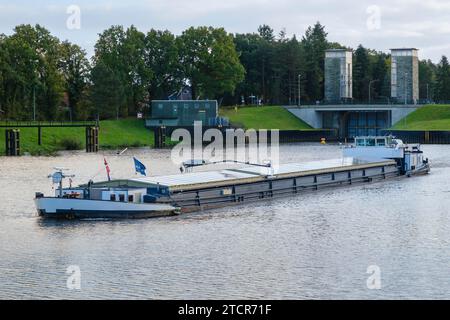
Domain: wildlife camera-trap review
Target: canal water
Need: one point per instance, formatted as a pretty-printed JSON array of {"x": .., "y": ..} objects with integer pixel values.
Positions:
[{"x": 311, "y": 246}]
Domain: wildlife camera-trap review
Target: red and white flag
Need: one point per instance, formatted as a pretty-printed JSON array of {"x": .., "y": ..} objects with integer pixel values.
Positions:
[{"x": 108, "y": 171}]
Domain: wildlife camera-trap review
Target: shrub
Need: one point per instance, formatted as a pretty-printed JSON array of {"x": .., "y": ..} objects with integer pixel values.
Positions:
[{"x": 70, "y": 144}]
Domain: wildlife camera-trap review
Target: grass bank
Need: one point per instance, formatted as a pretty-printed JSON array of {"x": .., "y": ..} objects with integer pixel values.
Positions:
[
  {"x": 114, "y": 134},
  {"x": 432, "y": 117},
  {"x": 270, "y": 117}
]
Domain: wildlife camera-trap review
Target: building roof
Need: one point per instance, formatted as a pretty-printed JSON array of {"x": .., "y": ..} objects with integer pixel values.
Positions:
[
  {"x": 338, "y": 50},
  {"x": 404, "y": 49}
]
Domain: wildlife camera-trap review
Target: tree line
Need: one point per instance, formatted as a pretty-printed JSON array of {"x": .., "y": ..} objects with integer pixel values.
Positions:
[{"x": 44, "y": 78}]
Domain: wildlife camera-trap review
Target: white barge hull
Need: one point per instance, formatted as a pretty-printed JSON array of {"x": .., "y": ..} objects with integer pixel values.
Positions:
[{"x": 65, "y": 208}]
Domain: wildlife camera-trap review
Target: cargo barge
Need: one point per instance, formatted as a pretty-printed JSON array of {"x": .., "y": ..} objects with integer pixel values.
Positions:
[{"x": 369, "y": 159}]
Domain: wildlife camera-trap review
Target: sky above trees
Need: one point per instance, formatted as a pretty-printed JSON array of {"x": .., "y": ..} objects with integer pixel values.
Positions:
[{"x": 379, "y": 24}]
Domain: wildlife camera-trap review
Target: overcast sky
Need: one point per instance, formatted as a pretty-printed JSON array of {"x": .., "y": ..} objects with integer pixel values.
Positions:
[{"x": 381, "y": 25}]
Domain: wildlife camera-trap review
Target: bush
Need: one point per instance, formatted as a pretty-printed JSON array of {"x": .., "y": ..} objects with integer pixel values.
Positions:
[{"x": 70, "y": 144}]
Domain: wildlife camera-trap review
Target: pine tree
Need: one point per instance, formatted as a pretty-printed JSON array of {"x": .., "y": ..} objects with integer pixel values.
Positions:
[
  {"x": 315, "y": 43},
  {"x": 361, "y": 74},
  {"x": 443, "y": 80}
]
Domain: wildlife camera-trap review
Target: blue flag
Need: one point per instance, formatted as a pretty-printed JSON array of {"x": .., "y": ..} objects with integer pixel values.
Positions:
[{"x": 139, "y": 166}]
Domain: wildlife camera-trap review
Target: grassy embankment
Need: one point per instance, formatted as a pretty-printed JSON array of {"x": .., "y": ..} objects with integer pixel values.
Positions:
[
  {"x": 270, "y": 117},
  {"x": 114, "y": 134},
  {"x": 428, "y": 118}
]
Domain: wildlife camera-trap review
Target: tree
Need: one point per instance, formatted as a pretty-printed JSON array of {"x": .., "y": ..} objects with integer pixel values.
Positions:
[
  {"x": 314, "y": 43},
  {"x": 427, "y": 79},
  {"x": 266, "y": 33},
  {"x": 75, "y": 68},
  {"x": 247, "y": 46},
  {"x": 290, "y": 64},
  {"x": 379, "y": 75},
  {"x": 123, "y": 53},
  {"x": 210, "y": 62},
  {"x": 137, "y": 74},
  {"x": 161, "y": 56},
  {"x": 2, "y": 72},
  {"x": 361, "y": 74},
  {"x": 30, "y": 74},
  {"x": 443, "y": 80},
  {"x": 107, "y": 92}
]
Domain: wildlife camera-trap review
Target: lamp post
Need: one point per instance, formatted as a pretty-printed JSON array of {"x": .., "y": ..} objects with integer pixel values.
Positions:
[
  {"x": 34, "y": 102},
  {"x": 406, "y": 98},
  {"x": 36, "y": 77},
  {"x": 299, "y": 92},
  {"x": 370, "y": 84}
]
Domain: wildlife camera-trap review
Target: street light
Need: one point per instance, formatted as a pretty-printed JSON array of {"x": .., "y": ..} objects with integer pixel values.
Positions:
[
  {"x": 370, "y": 83},
  {"x": 299, "y": 92},
  {"x": 34, "y": 101}
]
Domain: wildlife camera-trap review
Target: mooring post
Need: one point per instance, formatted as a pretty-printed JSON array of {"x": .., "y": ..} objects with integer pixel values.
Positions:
[
  {"x": 12, "y": 142},
  {"x": 156, "y": 137},
  {"x": 160, "y": 137},
  {"x": 7, "y": 144},
  {"x": 39, "y": 135},
  {"x": 91, "y": 139}
]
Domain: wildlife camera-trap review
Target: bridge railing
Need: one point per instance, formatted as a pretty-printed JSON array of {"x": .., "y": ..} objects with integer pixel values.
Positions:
[{"x": 36, "y": 124}]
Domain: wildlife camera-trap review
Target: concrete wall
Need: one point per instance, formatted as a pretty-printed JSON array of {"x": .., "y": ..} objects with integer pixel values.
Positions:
[
  {"x": 313, "y": 115},
  {"x": 308, "y": 115},
  {"x": 405, "y": 73},
  {"x": 398, "y": 114},
  {"x": 338, "y": 75}
]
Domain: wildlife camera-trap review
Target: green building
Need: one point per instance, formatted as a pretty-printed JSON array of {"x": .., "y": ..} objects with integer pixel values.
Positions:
[{"x": 182, "y": 113}]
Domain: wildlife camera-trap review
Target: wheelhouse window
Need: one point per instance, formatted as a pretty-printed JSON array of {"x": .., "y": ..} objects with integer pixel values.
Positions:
[
  {"x": 370, "y": 142},
  {"x": 381, "y": 142},
  {"x": 360, "y": 142},
  {"x": 130, "y": 198},
  {"x": 122, "y": 197}
]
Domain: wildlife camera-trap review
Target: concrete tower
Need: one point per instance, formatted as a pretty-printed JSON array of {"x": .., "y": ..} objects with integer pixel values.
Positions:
[
  {"x": 405, "y": 75},
  {"x": 338, "y": 75}
]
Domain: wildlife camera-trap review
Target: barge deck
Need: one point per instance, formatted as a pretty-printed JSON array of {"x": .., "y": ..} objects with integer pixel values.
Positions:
[{"x": 212, "y": 189}]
